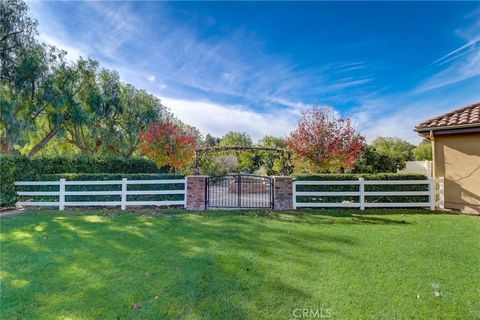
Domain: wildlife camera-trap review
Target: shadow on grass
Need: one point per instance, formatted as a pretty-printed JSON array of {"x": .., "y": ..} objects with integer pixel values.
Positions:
[{"x": 140, "y": 267}]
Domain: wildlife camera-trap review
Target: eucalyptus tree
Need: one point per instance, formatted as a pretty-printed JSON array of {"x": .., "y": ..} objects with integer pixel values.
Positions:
[
  {"x": 17, "y": 37},
  {"x": 17, "y": 34},
  {"x": 138, "y": 110},
  {"x": 93, "y": 107},
  {"x": 71, "y": 83},
  {"x": 27, "y": 95}
]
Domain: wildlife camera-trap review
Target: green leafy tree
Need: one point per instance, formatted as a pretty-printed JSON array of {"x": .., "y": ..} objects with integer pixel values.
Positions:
[
  {"x": 394, "y": 147},
  {"x": 31, "y": 99},
  {"x": 372, "y": 161},
  {"x": 71, "y": 82},
  {"x": 423, "y": 151},
  {"x": 210, "y": 141},
  {"x": 96, "y": 108},
  {"x": 274, "y": 163},
  {"x": 240, "y": 139},
  {"x": 17, "y": 35},
  {"x": 236, "y": 139},
  {"x": 139, "y": 110}
]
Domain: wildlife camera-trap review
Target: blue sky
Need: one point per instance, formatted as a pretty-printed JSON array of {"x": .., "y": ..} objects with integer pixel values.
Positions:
[{"x": 253, "y": 66}]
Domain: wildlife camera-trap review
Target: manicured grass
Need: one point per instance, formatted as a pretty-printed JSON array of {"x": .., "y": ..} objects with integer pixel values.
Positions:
[{"x": 240, "y": 265}]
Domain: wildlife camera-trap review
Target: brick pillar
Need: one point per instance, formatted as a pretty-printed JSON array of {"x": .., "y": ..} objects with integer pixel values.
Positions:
[
  {"x": 196, "y": 192},
  {"x": 282, "y": 193}
]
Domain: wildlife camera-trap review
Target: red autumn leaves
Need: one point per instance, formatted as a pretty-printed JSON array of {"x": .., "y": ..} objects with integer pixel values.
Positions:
[
  {"x": 167, "y": 144},
  {"x": 323, "y": 141}
]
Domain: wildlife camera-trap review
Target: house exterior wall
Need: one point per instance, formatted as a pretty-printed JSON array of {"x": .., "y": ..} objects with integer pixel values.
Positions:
[{"x": 457, "y": 158}]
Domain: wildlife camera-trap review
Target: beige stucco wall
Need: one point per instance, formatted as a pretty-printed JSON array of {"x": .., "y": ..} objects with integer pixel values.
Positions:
[{"x": 457, "y": 158}]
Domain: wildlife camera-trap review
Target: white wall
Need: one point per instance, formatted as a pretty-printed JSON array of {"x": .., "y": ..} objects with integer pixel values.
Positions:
[{"x": 421, "y": 167}]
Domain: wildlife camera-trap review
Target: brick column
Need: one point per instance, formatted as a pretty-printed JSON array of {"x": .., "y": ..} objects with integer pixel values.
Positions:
[
  {"x": 196, "y": 192},
  {"x": 282, "y": 193}
]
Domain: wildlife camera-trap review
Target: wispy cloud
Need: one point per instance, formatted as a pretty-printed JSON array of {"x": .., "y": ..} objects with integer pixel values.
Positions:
[
  {"x": 458, "y": 51},
  {"x": 465, "y": 68},
  {"x": 460, "y": 64},
  {"x": 218, "y": 119},
  {"x": 237, "y": 67}
]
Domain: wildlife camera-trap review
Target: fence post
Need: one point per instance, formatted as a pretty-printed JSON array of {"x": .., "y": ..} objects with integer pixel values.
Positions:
[
  {"x": 362, "y": 193},
  {"x": 294, "y": 194},
  {"x": 124, "y": 194},
  {"x": 431, "y": 191},
  {"x": 61, "y": 195},
  {"x": 186, "y": 191}
]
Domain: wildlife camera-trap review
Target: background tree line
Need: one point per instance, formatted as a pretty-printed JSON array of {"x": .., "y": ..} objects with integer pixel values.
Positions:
[{"x": 321, "y": 143}]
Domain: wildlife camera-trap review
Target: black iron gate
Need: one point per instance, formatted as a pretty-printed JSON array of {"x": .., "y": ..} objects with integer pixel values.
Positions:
[{"x": 239, "y": 191}]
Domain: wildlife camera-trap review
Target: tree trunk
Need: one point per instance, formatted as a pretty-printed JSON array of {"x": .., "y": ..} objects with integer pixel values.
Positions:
[
  {"x": 43, "y": 143},
  {"x": 5, "y": 147}
]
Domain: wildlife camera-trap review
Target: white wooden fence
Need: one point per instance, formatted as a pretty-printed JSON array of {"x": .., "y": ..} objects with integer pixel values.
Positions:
[
  {"x": 123, "y": 193},
  {"x": 435, "y": 194}
]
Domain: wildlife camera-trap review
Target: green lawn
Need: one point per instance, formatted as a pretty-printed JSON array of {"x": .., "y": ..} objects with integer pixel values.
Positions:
[{"x": 240, "y": 265}]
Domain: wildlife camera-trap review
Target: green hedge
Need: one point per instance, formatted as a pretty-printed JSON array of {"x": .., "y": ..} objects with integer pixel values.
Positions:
[
  {"x": 351, "y": 176},
  {"x": 23, "y": 168},
  {"x": 106, "y": 177},
  {"x": 52, "y": 165},
  {"x": 379, "y": 176}
]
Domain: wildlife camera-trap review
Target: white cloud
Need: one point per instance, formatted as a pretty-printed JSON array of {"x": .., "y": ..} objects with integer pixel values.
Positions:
[
  {"x": 402, "y": 116},
  {"x": 459, "y": 49},
  {"x": 72, "y": 53},
  {"x": 466, "y": 67},
  {"x": 460, "y": 64},
  {"x": 218, "y": 119},
  {"x": 151, "y": 78}
]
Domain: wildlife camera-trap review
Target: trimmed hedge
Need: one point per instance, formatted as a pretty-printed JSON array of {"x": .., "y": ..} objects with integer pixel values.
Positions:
[
  {"x": 352, "y": 176},
  {"x": 82, "y": 164},
  {"x": 379, "y": 176},
  {"x": 23, "y": 168},
  {"x": 106, "y": 177},
  {"x": 13, "y": 169}
]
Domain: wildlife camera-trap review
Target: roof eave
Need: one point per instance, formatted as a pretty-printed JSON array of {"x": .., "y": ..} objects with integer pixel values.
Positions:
[{"x": 462, "y": 126}]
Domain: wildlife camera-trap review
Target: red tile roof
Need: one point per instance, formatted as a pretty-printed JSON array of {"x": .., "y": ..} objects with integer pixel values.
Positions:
[{"x": 468, "y": 116}]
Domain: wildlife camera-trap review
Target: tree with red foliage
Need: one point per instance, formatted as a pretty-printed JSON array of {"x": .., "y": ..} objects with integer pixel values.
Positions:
[
  {"x": 167, "y": 144},
  {"x": 323, "y": 142}
]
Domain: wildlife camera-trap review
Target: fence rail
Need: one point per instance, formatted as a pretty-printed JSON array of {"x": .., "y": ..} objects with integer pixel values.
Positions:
[
  {"x": 123, "y": 193},
  {"x": 434, "y": 194}
]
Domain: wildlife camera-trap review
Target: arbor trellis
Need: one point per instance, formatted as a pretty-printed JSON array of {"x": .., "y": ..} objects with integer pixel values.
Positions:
[{"x": 283, "y": 153}]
